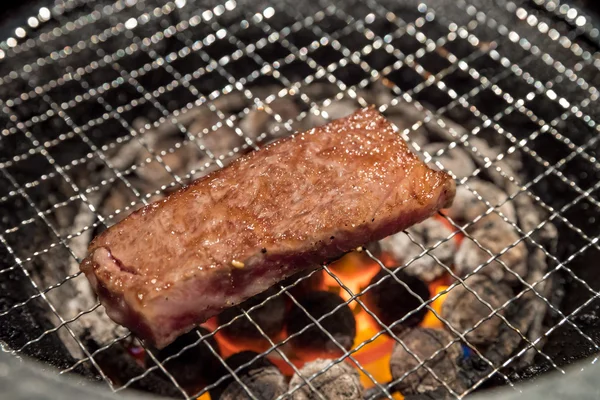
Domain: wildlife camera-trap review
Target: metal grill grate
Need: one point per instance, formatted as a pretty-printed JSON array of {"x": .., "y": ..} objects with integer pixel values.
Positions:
[{"x": 82, "y": 68}]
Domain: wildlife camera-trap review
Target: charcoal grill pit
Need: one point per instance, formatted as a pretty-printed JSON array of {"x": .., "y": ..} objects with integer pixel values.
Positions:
[{"x": 109, "y": 105}]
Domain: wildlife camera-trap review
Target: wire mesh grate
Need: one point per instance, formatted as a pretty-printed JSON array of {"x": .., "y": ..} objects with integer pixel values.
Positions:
[{"x": 91, "y": 91}]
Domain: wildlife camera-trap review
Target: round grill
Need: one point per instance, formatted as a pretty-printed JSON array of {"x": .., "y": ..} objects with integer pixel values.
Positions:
[{"x": 107, "y": 106}]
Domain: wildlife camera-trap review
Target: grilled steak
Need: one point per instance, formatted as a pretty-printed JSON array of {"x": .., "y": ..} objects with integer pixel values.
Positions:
[{"x": 302, "y": 200}]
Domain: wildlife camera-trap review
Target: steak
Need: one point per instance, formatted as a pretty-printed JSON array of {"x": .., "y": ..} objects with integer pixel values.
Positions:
[{"x": 297, "y": 202}]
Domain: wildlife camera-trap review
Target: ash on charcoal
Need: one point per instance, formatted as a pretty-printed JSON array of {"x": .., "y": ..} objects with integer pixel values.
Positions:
[
  {"x": 493, "y": 234},
  {"x": 269, "y": 317},
  {"x": 391, "y": 300},
  {"x": 261, "y": 378},
  {"x": 177, "y": 161},
  {"x": 196, "y": 366},
  {"x": 462, "y": 310},
  {"x": 423, "y": 343},
  {"x": 341, "y": 381},
  {"x": 258, "y": 122},
  {"x": 340, "y": 325},
  {"x": 467, "y": 206},
  {"x": 454, "y": 160},
  {"x": 428, "y": 233}
]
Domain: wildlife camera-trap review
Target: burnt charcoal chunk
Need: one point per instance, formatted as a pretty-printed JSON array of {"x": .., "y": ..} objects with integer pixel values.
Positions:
[
  {"x": 194, "y": 367},
  {"x": 424, "y": 343},
  {"x": 493, "y": 235},
  {"x": 301, "y": 285},
  {"x": 340, "y": 381},
  {"x": 269, "y": 317},
  {"x": 124, "y": 367},
  {"x": 426, "y": 234},
  {"x": 341, "y": 324},
  {"x": 463, "y": 310},
  {"x": 260, "y": 377},
  {"x": 391, "y": 301}
]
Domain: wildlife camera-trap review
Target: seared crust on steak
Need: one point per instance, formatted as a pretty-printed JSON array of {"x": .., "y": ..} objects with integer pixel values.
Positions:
[{"x": 302, "y": 200}]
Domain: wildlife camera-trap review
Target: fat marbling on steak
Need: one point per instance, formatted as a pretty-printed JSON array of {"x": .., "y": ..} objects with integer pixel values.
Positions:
[{"x": 299, "y": 201}]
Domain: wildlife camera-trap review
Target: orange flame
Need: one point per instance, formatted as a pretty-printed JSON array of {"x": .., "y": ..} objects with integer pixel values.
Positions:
[{"x": 355, "y": 270}]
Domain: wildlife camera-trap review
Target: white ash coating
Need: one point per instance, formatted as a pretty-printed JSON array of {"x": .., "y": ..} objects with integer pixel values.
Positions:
[
  {"x": 426, "y": 233},
  {"x": 263, "y": 382},
  {"x": 219, "y": 141},
  {"x": 495, "y": 235},
  {"x": 259, "y": 124},
  {"x": 454, "y": 160},
  {"x": 467, "y": 206},
  {"x": 463, "y": 310},
  {"x": 423, "y": 343},
  {"x": 177, "y": 161},
  {"x": 340, "y": 382}
]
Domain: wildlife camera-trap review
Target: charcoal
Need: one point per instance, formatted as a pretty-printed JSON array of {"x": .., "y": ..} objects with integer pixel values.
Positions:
[
  {"x": 427, "y": 235},
  {"x": 269, "y": 317},
  {"x": 391, "y": 301},
  {"x": 117, "y": 362},
  {"x": 341, "y": 381},
  {"x": 454, "y": 160},
  {"x": 196, "y": 366},
  {"x": 462, "y": 310},
  {"x": 261, "y": 378},
  {"x": 374, "y": 248},
  {"x": 310, "y": 284},
  {"x": 467, "y": 206},
  {"x": 494, "y": 235},
  {"x": 423, "y": 343},
  {"x": 340, "y": 325}
]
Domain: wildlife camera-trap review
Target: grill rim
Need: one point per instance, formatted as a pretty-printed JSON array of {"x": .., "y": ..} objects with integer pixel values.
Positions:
[
  {"x": 25, "y": 378},
  {"x": 92, "y": 359}
]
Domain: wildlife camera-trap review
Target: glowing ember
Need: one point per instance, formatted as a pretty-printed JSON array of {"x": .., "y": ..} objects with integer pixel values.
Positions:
[
  {"x": 374, "y": 357},
  {"x": 430, "y": 320},
  {"x": 229, "y": 346},
  {"x": 459, "y": 236},
  {"x": 138, "y": 353},
  {"x": 355, "y": 270}
]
